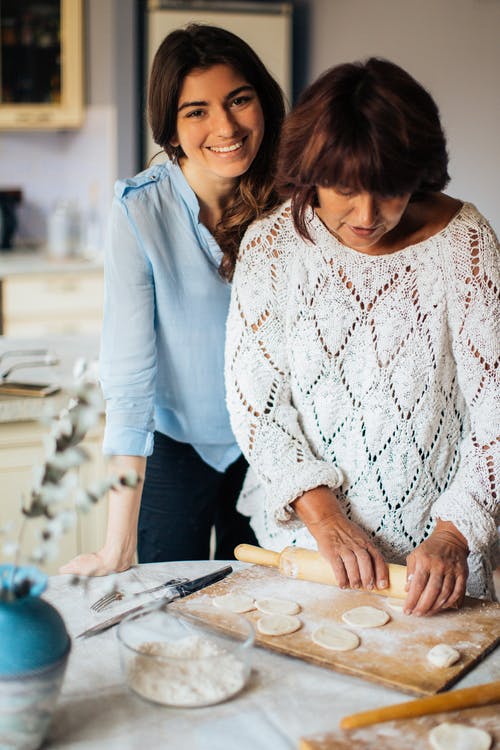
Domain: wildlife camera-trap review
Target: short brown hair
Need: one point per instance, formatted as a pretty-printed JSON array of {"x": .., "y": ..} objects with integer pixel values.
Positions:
[
  {"x": 366, "y": 126},
  {"x": 203, "y": 46}
]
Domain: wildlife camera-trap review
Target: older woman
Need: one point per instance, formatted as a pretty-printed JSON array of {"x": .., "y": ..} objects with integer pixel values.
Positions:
[{"x": 363, "y": 346}]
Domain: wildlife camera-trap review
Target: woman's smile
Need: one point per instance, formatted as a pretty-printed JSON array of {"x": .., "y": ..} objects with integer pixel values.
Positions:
[{"x": 227, "y": 149}]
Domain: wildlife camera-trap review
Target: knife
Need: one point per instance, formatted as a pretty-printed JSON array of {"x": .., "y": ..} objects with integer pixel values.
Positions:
[{"x": 176, "y": 591}]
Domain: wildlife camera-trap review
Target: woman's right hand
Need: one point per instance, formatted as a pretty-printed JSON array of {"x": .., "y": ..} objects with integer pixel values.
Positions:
[{"x": 355, "y": 561}]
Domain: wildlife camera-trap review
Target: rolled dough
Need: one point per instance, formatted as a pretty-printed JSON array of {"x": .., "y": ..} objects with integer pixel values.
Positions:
[
  {"x": 335, "y": 638},
  {"x": 234, "y": 602},
  {"x": 443, "y": 655},
  {"x": 275, "y": 606},
  {"x": 450, "y": 736},
  {"x": 397, "y": 605},
  {"x": 278, "y": 624},
  {"x": 366, "y": 617}
]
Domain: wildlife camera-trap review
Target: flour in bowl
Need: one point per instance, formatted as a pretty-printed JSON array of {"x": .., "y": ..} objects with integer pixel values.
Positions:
[{"x": 192, "y": 671}]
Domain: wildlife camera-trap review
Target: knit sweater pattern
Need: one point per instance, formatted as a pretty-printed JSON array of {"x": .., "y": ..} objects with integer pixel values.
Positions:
[{"x": 374, "y": 375}]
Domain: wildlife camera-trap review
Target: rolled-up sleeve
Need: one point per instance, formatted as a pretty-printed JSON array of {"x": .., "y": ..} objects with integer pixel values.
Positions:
[{"x": 128, "y": 343}]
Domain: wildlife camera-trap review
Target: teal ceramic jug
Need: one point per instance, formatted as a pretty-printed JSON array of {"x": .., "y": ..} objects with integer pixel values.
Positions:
[{"x": 34, "y": 649}]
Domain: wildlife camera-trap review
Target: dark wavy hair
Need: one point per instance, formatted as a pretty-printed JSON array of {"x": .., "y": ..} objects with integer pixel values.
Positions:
[
  {"x": 367, "y": 126},
  {"x": 201, "y": 46}
]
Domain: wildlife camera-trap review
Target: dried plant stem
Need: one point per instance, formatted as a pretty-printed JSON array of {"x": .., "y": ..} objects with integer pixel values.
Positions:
[{"x": 17, "y": 557}]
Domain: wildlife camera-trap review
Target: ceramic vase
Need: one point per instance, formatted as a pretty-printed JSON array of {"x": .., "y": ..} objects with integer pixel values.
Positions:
[{"x": 34, "y": 650}]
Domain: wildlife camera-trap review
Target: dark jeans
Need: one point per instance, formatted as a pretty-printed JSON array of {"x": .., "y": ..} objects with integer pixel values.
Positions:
[{"x": 182, "y": 499}]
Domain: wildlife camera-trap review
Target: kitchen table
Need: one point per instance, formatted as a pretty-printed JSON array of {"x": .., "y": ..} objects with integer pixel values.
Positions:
[{"x": 285, "y": 699}]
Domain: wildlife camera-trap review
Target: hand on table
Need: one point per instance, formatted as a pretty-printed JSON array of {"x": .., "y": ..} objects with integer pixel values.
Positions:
[
  {"x": 355, "y": 561},
  {"x": 97, "y": 564},
  {"x": 437, "y": 572}
]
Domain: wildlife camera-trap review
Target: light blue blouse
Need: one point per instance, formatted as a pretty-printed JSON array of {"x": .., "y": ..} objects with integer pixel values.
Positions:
[{"x": 165, "y": 309}]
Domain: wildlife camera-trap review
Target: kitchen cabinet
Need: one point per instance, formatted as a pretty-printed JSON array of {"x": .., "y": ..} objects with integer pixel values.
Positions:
[
  {"x": 52, "y": 302},
  {"x": 21, "y": 450},
  {"x": 41, "y": 64}
]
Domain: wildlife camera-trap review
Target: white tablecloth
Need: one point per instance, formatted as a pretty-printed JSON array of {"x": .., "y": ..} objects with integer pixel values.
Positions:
[{"x": 285, "y": 699}]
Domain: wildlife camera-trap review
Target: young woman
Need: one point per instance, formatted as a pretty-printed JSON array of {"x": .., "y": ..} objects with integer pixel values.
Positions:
[
  {"x": 363, "y": 347},
  {"x": 174, "y": 234}
]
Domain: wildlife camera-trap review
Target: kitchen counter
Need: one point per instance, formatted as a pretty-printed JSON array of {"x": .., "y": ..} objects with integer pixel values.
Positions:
[
  {"x": 67, "y": 349},
  {"x": 34, "y": 261},
  {"x": 286, "y": 698}
]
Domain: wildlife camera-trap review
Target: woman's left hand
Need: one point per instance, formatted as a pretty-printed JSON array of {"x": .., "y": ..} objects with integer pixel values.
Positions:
[{"x": 437, "y": 572}]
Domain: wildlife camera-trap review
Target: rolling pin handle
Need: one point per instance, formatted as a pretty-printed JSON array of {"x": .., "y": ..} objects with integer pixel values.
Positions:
[
  {"x": 479, "y": 695},
  {"x": 257, "y": 555}
]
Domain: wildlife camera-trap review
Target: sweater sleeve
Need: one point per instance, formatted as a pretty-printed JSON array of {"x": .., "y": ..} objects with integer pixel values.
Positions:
[
  {"x": 471, "y": 501},
  {"x": 264, "y": 419}
]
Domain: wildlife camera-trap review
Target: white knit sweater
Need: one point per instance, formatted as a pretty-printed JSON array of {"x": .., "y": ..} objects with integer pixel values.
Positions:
[{"x": 374, "y": 375}]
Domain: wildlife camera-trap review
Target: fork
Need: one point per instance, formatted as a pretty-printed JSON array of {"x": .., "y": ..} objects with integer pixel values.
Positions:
[{"x": 116, "y": 595}]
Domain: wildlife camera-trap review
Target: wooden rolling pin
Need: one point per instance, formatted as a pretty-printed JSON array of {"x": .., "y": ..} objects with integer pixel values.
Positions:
[
  {"x": 308, "y": 565},
  {"x": 480, "y": 695}
]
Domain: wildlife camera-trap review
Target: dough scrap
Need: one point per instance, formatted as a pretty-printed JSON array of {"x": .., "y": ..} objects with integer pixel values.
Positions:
[
  {"x": 335, "y": 637},
  {"x": 278, "y": 624},
  {"x": 448, "y": 736},
  {"x": 366, "y": 617},
  {"x": 273, "y": 606},
  {"x": 397, "y": 605},
  {"x": 234, "y": 602},
  {"x": 443, "y": 655}
]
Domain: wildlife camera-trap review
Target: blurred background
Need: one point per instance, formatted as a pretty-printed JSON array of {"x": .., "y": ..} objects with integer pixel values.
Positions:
[{"x": 451, "y": 46}]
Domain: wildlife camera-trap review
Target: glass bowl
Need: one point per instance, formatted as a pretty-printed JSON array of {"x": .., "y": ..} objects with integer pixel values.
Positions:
[{"x": 177, "y": 659}]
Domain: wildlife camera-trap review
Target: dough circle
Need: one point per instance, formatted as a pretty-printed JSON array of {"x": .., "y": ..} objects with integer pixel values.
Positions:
[
  {"x": 335, "y": 637},
  {"x": 234, "y": 602},
  {"x": 443, "y": 655},
  {"x": 273, "y": 606},
  {"x": 448, "y": 736},
  {"x": 278, "y": 624},
  {"x": 397, "y": 605},
  {"x": 366, "y": 617}
]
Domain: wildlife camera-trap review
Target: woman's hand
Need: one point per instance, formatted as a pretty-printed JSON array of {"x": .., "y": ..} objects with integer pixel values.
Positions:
[
  {"x": 355, "y": 561},
  {"x": 118, "y": 552},
  {"x": 437, "y": 572},
  {"x": 99, "y": 563}
]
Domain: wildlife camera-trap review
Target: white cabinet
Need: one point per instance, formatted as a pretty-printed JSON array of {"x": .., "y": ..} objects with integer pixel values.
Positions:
[
  {"x": 62, "y": 302},
  {"x": 21, "y": 449}
]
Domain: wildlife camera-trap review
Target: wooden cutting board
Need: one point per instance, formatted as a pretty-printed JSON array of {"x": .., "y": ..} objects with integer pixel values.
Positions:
[
  {"x": 393, "y": 655},
  {"x": 405, "y": 734}
]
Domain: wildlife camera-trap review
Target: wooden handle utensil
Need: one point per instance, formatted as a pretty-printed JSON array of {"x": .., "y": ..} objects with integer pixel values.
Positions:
[
  {"x": 480, "y": 695},
  {"x": 308, "y": 565}
]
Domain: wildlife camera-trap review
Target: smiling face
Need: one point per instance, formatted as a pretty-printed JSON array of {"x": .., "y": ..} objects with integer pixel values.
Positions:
[
  {"x": 220, "y": 124},
  {"x": 363, "y": 221}
]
